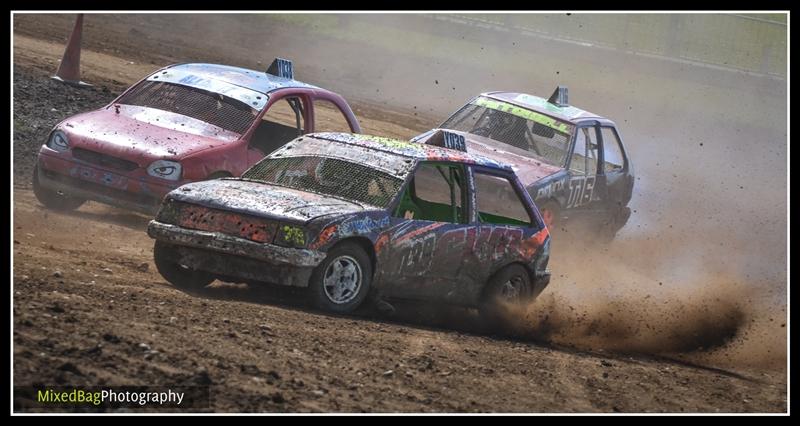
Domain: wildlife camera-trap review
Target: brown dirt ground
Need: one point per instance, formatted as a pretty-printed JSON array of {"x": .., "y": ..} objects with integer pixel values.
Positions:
[{"x": 86, "y": 297}]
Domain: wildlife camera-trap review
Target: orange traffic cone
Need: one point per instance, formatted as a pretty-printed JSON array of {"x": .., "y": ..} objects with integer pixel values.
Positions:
[{"x": 69, "y": 71}]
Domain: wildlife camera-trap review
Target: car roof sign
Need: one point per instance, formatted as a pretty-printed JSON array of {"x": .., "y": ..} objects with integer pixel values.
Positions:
[
  {"x": 282, "y": 68},
  {"x": 560, "y": 97},
  {"x": 448, "y": 139},
  {"x": 454, "y": 141}
]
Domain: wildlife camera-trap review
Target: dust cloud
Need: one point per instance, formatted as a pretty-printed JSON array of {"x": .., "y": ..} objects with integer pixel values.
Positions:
[
  {"x": 701, "y": 267},
  {"x": 648, "y": 293}
]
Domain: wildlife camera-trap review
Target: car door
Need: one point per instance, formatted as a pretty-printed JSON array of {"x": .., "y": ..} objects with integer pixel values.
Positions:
[
  {"x": 425, "y": 251},
  {"x": 616, "y": 167},
  {"x": 586, "y": 185},
  {"x": 505, "y": 221},
  {"x": 331, "y": 114},
  {"x": 285, "y": 119}
]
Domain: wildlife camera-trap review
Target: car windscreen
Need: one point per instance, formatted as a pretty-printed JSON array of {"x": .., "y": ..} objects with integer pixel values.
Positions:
[
  {"x": 540, "y": 136},
  {"x": 213, "y": 108},
  {"x": 328, "y": 176}
]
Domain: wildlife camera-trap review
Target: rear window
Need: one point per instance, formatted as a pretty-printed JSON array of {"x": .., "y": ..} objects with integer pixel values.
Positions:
[
  {"x": 328, "y": 176},
  {"x": 212, "y": 108}
]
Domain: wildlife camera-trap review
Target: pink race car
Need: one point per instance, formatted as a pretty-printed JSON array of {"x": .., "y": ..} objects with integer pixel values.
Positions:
[{"x": 183, "y": 123}]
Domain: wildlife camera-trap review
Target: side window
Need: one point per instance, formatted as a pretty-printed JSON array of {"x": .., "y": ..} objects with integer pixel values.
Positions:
[
  {"x": 548, "y": 143},
  {"x": 329, "y": 118},
  {"x": 584, "y": 158},
  {"x": 612, "y": 150},
  {"x": 282, "y": 122},
  {"x": 498, "y": 202},
  {"x": 435, "y": 193}
]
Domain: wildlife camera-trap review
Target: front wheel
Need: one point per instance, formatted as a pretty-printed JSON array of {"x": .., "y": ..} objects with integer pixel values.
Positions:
[
  {"x": 53, "y": 199},
  {"x": 167, "y": 262},
  {"x": 618, "y": 220},
  {"x": 342, "y": 281},
  {"x": 505, "y": 297}
]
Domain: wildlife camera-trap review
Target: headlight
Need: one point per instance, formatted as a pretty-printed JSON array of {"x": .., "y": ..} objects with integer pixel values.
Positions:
[
  {"x": 58, "y": 141},
  {"x": 168, "y": 212},
  {"x": 165, "y": 169},
  {"x": 290, "y": 236}
]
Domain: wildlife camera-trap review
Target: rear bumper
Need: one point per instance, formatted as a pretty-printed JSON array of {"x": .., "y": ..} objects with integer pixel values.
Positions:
[
  {"x": 101, "y": 185},
  {"x": 234, "y": 257}
]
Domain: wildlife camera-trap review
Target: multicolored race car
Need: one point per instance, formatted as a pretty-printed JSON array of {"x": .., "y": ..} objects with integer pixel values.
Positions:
[
  {"x": 345, "y": 215},
  {"x": 181, "y": 124},
  {"x": 572, "y": 162}
]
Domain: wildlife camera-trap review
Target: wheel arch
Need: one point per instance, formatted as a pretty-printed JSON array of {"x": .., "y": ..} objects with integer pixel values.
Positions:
[
  {"x": 549, "y": 200},
  {"x": 366, "y": 244},
  {"x": 552, "y": 200}
]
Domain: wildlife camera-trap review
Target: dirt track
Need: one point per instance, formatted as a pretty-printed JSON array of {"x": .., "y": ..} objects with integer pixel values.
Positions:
[{"x": 89, "y": 309}]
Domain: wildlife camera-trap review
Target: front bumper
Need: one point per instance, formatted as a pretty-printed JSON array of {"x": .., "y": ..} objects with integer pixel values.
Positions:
[
  {"x": 234, "y": 257},
  {"x": 98, "y": 184}
]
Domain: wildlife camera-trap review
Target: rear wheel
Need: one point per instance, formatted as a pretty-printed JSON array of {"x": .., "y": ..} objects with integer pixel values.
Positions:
[
  {"x": 615, "y": 223},
  {"x": 342, "y": 281},
  {"x": 54, "y": 199},
  {"x": 506, "y": 294},
  {"x": 167, "y": 262}
]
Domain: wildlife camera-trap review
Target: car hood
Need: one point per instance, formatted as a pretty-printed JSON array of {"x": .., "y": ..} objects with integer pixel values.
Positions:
[
  {"x": 262, "y": 200},
  {"x": 528, "y": 170},
  {"x": 142, "y": 134}
]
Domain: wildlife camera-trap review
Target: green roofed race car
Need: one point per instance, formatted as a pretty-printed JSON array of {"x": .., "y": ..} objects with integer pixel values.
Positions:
[{"x": 572, "y": 162}]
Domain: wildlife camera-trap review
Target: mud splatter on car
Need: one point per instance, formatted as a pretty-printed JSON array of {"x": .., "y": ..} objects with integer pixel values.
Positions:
[
  {"x": 180, "y": 124},
  {"x": 350, "y": 215}
]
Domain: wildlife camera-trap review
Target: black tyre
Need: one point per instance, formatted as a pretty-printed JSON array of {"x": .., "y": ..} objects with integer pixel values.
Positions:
[
  {"x": 342, "y": 281},
  {"x": 166, "y": 260},
  {"x": 606, "y": 234},
  {"x": 506, "y": 294},
  {"x": 617, "y": 221},
  {"x": 54, "y": 199}
]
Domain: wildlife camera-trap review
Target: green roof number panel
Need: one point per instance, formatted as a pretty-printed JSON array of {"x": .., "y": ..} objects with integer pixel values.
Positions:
[{"x": 524, "y": 113}]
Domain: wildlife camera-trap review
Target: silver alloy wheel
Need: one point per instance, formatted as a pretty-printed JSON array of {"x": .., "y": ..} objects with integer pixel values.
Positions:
[
  {"x": 342, "y": 280},
  {"x": 512, "y": 289}
]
